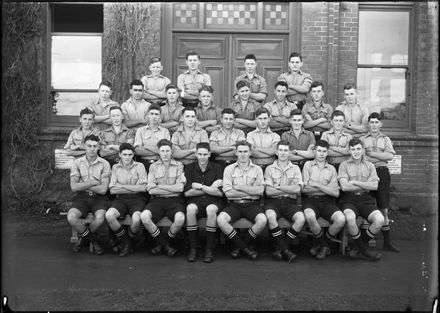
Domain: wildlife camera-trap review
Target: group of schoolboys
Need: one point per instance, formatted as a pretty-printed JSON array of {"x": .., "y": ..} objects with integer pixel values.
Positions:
[{"x": 152, "y": 157}]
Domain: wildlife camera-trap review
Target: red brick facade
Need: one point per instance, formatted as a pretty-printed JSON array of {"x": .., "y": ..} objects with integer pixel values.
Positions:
[{"x": 329, "y": 40}]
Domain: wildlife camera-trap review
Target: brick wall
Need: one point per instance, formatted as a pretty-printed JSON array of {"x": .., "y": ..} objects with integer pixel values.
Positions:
[
  {"x": 329, "y": 44},
  {"x": 426, "y": 40}
]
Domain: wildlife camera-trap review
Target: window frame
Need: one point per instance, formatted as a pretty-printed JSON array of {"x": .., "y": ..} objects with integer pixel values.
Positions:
[
  {"x": 393, "y": 125},
  {"x": 52, "y": 118}
]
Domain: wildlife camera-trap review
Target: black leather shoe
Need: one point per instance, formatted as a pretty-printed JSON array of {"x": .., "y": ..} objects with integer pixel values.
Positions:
[
  {"x": 277, "y": 255},
  {"x": 97, "y": 248},
  {"x": 353, "y": 253},
  {"x": 78, "y": 245},
  {"x": 125, "y": 250},
  {"x": 314, "y": 250},
  {"x": 113, "y": 243},
  {"x": 371, "y": 255},
  {"x": 170, "y": 250},
  {"x": 157, "y": 250},
  {"x": 209, "y": 256},
  {"x": 290, "y": 256},
  {"x": 235, "y": 254},
  {"x": 323, "y": 252},
  {"x": 390, "y": 247},
  {"x": 192, "y": 256},
  {"x": 251, "y": 254}
]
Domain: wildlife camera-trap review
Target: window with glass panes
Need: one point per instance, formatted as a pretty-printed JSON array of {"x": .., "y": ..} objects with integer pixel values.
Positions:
[
  {"x": 384, "y": 63},
  {"x": 76, "y": 56}
]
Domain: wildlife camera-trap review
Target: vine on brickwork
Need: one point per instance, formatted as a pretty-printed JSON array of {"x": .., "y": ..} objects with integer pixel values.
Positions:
[
  {"x": 27, "y": 165},
  {"x": 126, "y": 30}
]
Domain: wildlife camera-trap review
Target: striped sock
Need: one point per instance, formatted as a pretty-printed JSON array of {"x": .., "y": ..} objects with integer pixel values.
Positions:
[
  {"x": 277, "y": 234},
  {"x": 236, "y": 240}
]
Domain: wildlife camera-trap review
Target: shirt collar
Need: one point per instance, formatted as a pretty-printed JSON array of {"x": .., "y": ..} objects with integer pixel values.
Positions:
[
  {"x": 276, "y": 165},
  {"x": 368, "y": 134},
  {"x": 332, "y": 131},
  {"x": 197, "y": 72},
  {"x": 119, "y": 164},
  {"x": 299, "y": 72},
  {"x": 314, "y": 162},
  {"x": 180, "y": 128}
]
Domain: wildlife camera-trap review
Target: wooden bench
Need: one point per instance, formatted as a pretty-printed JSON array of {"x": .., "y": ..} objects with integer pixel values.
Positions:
[{"x": 242, "y": 223}]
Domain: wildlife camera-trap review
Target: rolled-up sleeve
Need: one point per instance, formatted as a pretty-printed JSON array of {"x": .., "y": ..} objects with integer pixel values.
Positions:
[{"x": 227, "y": 178}]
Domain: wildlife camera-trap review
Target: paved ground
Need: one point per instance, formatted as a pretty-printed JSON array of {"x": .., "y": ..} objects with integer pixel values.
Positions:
[{"x": 34, "y": 265}]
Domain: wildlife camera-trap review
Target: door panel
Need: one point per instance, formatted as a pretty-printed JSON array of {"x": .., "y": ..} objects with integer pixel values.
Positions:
[
  {"x": 271, "y": 51},
  {"x": 222, "y": 57}
]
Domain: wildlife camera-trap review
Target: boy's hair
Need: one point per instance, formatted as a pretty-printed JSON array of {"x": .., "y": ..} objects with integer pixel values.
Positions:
[
  {"x": 86, "y": 111},
  {"x": 154, "y": 60},
  {"x": 322, "y": 143},
  {"x": 185, "y": 109},
  {"x": 250, "y": 57},
  {"x": 355, "y": 141},
  {"x": 262, "y": 111},
  {"x": 281, "y": 83},
  {"x": 105, "y": 83},
  {"x": 228, "y": 111},
  {"x": 243, "y": 143},
  {"x": 136, "y": 82},
  {"x": 242, "y": 83},
  {"x": 92, "y": 138},
  {"x": 297, "y": 55},
  {"x": 283, "y": 143},
  {"x": 206, "y": 88},
  {"x": 375, "y": 115},
  {"x": 203, "y": 145},
  {"x": 126, "y": 146},
  {"x": 317, "y": 83},
  {"x": 171, "y": 86},
  {"x": 295, "y": 112},
  {"x": 192, "y": 53},
  {"x": 349, "y": 86},
  {"x": 337, "y": 113},
  {"x": 164, "y": 142},
  {"x": 154, "y": 107},
  {"x": 114, "y": 107}
]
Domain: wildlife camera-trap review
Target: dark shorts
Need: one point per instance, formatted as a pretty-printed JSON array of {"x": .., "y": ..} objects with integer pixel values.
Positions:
[
  {"x": 382, "y": 194},
  {"x": 323, "y": 206},
  {"x": 283, "y": 207},
  {"x": 203, "y": 201},
  {"x": 361, "y": 205},
  {"x": 85, "y": 203},
  {"x": 160, "y": 207},
  {"x": 247, "y": 210},
  {"x": 128, "y": 204}
]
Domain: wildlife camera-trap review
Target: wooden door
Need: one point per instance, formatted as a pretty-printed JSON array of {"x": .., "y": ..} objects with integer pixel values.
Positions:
[
  {"x": 214, "y": 52},
  {"x": 222, "y": 57}
]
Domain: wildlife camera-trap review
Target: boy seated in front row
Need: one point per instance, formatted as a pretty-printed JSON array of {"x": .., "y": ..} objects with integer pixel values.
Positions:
[
  {"x": 166, "y": 180},
  {"x": 89, "y": 178},
  {"x": 129, "y": 183},
  {"x": 75, "y": 145},
  {"x": 357, "y": 177},
  {"x": 320, "y": 192}
]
